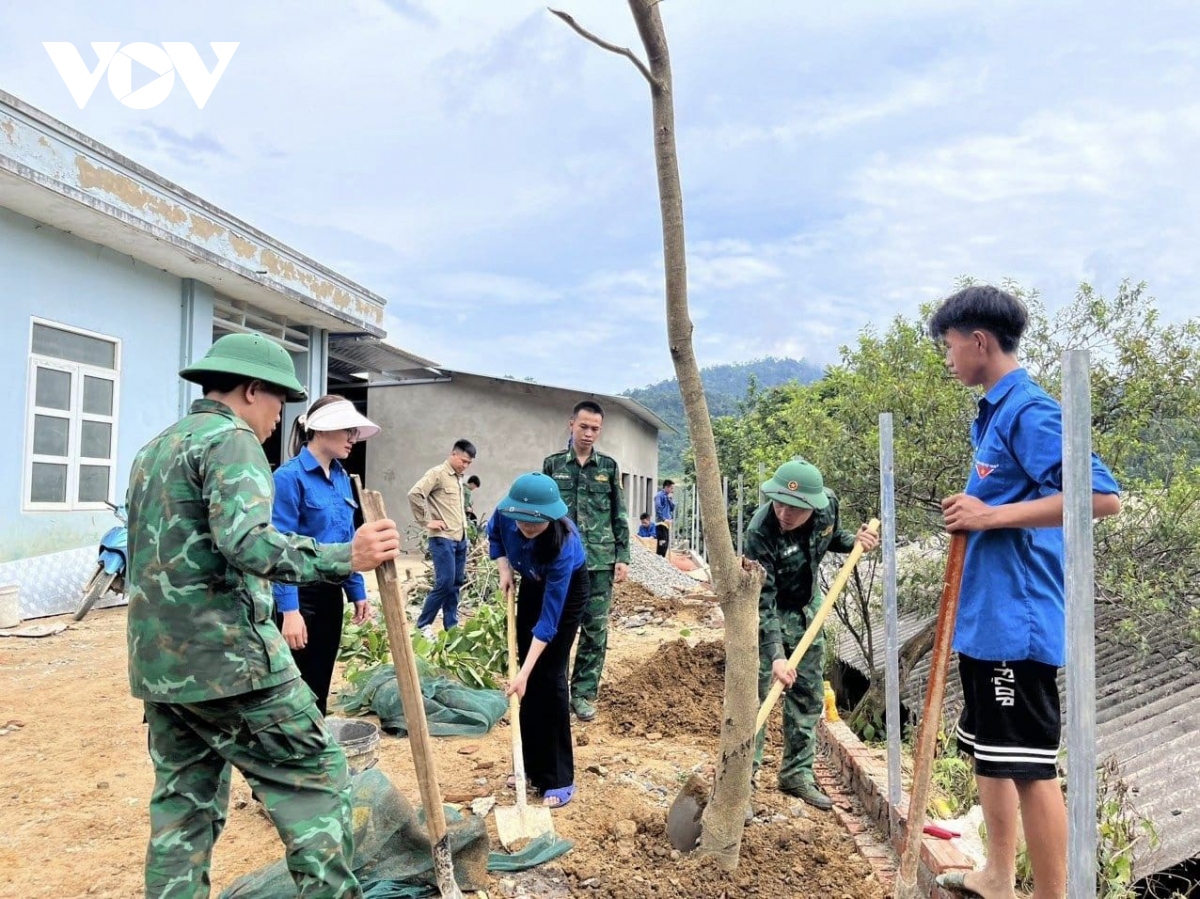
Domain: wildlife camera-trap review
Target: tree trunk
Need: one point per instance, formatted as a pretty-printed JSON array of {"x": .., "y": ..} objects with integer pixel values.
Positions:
[
  {"x": 735, "y": 581},
  {"x": 735, "y": 585}
]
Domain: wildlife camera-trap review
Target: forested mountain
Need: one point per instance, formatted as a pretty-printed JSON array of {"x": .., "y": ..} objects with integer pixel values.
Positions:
[{"x": 725, "y": 386}]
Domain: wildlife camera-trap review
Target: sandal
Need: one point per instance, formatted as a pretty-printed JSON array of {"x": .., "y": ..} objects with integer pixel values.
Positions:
[
  {"x": 955, "y": 881},
  {"x": 555, "y": 799}
]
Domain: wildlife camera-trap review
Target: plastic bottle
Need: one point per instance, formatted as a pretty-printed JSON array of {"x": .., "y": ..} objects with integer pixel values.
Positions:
[{"x": 831, "y": 712}]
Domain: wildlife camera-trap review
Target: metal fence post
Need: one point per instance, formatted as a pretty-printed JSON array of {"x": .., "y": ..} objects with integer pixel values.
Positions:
[
  {"x": 1081, "y": 625},
  {"x": 891, "y": 614}
]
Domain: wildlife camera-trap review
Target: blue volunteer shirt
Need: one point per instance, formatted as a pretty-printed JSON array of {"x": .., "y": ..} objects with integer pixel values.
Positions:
[
  {"x": 1011, "y": 606},
  {"x": 312, "y": 505},
  {"x": 664, "y": 506},
  {"x": 646, "y": 530},
  {"x": 505, "y": 539}
]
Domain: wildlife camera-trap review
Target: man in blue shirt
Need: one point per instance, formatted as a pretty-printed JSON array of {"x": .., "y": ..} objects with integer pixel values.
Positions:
[
  {"x": 645, "y": 527},
  {"x": 664, "y": 516},
  {"x": 1010, "y": 633}
]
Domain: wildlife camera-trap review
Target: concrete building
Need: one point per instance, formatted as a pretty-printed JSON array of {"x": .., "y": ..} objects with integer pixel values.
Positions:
[
  {"x": 514, "y": 424},
  {"x": 111, "y": 280}
]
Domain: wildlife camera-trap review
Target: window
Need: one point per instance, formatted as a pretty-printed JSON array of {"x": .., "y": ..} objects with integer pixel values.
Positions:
[{"x": 71, "y": 428}]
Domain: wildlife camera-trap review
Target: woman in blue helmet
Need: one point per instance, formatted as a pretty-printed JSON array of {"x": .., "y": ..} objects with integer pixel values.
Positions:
[{"x": 530, "y": 534}]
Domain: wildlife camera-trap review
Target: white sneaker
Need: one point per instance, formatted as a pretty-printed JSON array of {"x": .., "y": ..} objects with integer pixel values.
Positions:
[{"x": 427, "y": 632}]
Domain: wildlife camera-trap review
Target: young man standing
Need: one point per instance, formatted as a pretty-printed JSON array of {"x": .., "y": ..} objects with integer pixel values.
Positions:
[
  {"x": 473, "y": 484},
  {"x": 664, "y": 516},
  {"x": 789, "y": 535},
  {"x": 439, "y": 506},
  {"x": 217, "y": 680},
  {"x": 590, "y": 484},
  {"x": 1010, "y": 634}
]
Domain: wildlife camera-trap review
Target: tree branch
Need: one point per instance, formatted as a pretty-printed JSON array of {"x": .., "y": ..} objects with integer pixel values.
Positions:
[{"x": 612, "y": 48}]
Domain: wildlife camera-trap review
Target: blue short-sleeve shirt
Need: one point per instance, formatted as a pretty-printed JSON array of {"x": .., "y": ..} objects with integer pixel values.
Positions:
[
  {"x": 313, "y": 505},
  {"x": 1011, "y": 606}
]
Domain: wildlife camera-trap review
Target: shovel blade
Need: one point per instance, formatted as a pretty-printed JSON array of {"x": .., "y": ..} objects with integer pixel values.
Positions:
[
  {"x": 683, "y": 818},
  {"x": 518, "y": 825}
]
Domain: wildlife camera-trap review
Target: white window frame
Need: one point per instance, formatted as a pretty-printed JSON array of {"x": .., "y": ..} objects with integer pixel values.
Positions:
[{"x": 76, "y": 416}]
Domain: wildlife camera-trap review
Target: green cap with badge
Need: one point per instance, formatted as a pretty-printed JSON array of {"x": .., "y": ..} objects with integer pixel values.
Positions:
[
  {"x": 797, "y": 482},
  {"x": 252, "y": 356}
]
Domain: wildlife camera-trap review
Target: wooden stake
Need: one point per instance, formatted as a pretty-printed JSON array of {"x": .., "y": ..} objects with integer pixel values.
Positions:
[
  {"x": 392, "y": 597},
  {"x": 931, "y": 720}
]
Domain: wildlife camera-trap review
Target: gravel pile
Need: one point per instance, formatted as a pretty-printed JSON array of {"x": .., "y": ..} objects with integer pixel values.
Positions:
[{"x": 656, "y": 574}]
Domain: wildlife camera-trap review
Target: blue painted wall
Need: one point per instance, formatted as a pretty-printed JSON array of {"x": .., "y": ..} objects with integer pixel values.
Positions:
[{"x": 55, "y": 276}]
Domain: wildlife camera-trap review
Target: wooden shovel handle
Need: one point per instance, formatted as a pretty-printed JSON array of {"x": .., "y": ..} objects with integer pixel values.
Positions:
[
  {"x": 810, "y": 635},
  {"x": 514, "y": 702},
  {"x": 931, "y": 718},
  {"x": 392, "y": 596}
]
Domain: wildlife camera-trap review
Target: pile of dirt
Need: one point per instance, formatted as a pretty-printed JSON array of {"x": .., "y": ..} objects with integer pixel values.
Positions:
[
  {"x": 626, "y": 855},
  {"x": 675, "y": 692},
  {"x": 631, "y": 598}
]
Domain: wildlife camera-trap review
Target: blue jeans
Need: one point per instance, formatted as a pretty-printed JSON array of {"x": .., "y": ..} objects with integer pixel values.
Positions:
[{"x": 449, "y": 571}]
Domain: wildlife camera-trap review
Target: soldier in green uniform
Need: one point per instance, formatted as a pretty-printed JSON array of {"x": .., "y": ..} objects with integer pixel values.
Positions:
[
  {"x": 590, "y": 483},
  {"x": 788, "y": 536},
  {"x": 217, "y": 681}
]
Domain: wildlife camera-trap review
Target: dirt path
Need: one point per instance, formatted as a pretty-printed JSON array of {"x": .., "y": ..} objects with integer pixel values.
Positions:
[{"x": 75, "y": 777}]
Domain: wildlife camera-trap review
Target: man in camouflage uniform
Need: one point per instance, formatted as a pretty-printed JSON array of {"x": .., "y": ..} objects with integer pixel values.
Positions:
[
  {"x": 590, "y": 484},
  {"x": 788, "y": 536},
  {"x": 218, "y": 682}
]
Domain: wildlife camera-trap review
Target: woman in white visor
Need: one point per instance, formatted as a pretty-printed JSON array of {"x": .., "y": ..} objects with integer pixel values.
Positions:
[{"x": 314, "y": 498}]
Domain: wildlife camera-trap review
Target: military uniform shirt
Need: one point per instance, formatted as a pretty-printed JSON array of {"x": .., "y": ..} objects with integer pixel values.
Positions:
[
  {"x": 791, "y": 561},
  {"x": 595, "y": 502},
  {"x": 202, "y": 552}
]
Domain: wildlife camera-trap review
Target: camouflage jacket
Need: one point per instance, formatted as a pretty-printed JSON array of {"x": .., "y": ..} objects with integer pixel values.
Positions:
[
  {"x": 792, "y": 561},
  {"x": 595, "y": 502},
  {"x": 202, "y": 551}
]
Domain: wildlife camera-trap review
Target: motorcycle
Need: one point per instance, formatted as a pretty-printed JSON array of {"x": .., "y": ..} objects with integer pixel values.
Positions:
[{"x": 110, "y": 564}]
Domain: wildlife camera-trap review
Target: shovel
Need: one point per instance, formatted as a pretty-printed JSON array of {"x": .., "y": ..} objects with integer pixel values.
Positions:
[
  {"x": 907, "y": 886},
  {"x": 518, "y": 825},
  {"x": 391, "y": 597},
  {"x": 683, "y": 818}
]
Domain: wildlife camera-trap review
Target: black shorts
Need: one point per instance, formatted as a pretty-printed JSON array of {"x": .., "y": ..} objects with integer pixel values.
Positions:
[{"x": 1011, "y": 721}]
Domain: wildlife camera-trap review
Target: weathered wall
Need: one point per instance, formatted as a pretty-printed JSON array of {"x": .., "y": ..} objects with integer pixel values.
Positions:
[
  {"x": 514, "y": 426},
  {"x": 60, "y": 278}
]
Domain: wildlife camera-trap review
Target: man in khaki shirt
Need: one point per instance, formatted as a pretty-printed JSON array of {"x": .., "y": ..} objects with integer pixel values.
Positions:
[{"x": 437, "y": 505}]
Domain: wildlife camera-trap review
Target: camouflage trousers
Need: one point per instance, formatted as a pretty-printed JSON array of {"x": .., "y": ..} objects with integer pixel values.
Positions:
[
  {"x": 593, "y": 636},
  {"x": 802, "y": 704},
  {"x": 278, "y": 740}
]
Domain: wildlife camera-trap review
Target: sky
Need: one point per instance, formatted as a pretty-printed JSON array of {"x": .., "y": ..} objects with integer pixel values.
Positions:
[{"x": 491, "y": 174}]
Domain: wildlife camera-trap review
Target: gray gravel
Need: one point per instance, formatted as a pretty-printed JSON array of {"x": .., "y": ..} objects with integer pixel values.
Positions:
[{"x": 656, "y": 574}]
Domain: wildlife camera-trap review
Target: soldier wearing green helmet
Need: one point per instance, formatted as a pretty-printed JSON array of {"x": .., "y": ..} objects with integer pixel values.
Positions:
[
  {"x": 789, "y": 535},
  {"x": 217, "y": 681}
]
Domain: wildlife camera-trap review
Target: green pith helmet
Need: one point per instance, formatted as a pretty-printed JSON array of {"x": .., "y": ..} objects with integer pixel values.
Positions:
[
  {"x": 252, "y": 356},
  {"x": 533, "y": 497},
  {"x": 797, "y": 483}
]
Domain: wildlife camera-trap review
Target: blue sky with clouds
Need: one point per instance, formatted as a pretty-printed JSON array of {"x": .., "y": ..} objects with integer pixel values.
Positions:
[{"x": 490, "y": 173}]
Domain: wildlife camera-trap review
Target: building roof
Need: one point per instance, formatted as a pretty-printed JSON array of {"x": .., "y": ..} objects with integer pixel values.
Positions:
[
  {"x": 1147, "y": 715},
  {"x": 53, "y": 174},
  {"x": 629, "y": 405}
]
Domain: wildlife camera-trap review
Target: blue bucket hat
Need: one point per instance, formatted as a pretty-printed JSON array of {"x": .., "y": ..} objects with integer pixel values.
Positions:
[{"x": 534, "y": 498}]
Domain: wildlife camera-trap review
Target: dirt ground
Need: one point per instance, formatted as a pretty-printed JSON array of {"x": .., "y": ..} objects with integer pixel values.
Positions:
[{"x": 75, "y": 777}]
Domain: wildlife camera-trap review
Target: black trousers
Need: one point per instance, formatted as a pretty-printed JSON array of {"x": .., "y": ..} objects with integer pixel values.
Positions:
[
  {"x": 662, "y": 534},
  {"x": 545, "y": 710},
  {"x": 321, "y": 607}
]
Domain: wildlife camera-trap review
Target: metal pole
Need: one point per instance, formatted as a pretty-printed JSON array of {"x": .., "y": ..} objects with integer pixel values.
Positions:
[
  {"x": 891, "y": 614},
  {"x": 1081, "y": 626},
  {"x": 741, "y": 501}
]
